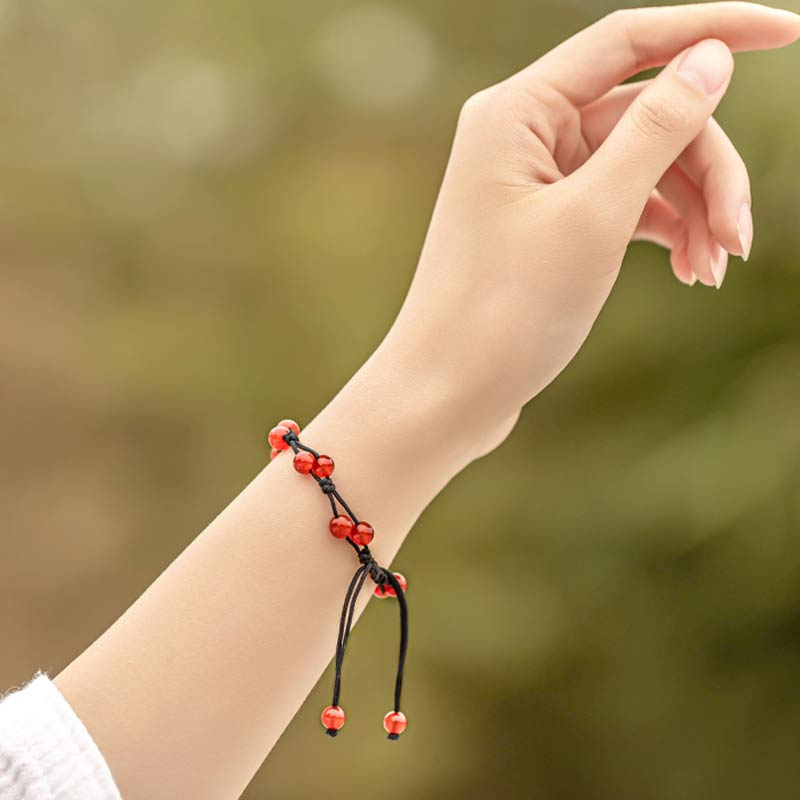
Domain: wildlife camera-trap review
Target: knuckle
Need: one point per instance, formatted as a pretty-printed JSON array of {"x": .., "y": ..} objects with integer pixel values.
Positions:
[
  {"x": 623, "y": 16},
  {"x": 658, "y": 116},
  {"x": 618, "y": 19},
  {"x": 622, "y": 25},
  {"x": 614, "y": 17},
  {"x": 479, "y": 105}
]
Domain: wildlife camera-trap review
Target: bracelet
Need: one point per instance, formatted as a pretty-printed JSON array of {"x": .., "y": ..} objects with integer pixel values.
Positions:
[{"x": 358, "y": 534}]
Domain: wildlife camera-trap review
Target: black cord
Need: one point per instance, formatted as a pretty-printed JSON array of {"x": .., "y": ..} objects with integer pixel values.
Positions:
[
  {"x": 345, "y": 624},
  {"x": 325, "y": 484},
  {"x": 401, "y": 660},
  {"x": 368, "y": 567}
]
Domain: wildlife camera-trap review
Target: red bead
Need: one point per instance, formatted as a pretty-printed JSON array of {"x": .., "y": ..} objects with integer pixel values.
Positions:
[
  {"x": 364, "y": 534},
  {"x": 303, "y": 462},
  {"x": 273, "y": 451},
  {"x": 324, "y": 467},
  {"x": 291, "y": 425},
  {"x": 276, "y": 439},
  {"x": 395, "y": 723},
  {"x": 387, "y": 590},
  {"x": 333, "y": 718},
  {"x": 341, "y": 527}
]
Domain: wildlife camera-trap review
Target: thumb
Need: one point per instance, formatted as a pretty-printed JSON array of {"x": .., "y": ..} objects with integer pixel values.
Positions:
[{"x": 659, "y": 124}]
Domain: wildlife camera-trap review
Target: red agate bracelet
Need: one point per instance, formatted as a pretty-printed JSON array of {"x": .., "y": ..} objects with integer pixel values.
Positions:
[{"x": 358, "y": 534}]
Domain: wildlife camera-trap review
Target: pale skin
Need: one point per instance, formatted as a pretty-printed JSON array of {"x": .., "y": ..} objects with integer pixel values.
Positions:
[{"x": 553, "y": 173}]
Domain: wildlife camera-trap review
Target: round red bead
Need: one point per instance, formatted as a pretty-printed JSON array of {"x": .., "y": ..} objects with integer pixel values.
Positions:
[
  {"x": 341, "y": 527},
  {"x": 303, "y": 462},
  {"x": 364, "y": 533},
  {"x": 324, "y": 467},
  {"x": 333, "y": 718},
  {"x": 387, "y": 590},
  {"x": 291, "y": 425},
  {"x": 273, "y": 451},
  {"x": 395, "y": 723},
  {"x": 276, "y": 439}
]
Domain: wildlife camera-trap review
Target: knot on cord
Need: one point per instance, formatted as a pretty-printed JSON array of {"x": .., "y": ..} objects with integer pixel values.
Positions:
[
  {"x": 375, "y": 570},
  {"x": 326, "y": 485}
]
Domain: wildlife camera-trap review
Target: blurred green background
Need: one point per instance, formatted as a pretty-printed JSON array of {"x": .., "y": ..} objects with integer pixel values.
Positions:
[{"x": 209, "y": 214}]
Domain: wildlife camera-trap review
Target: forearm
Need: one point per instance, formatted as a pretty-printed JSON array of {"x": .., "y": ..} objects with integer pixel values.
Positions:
[{"x": 187, "y": 692}]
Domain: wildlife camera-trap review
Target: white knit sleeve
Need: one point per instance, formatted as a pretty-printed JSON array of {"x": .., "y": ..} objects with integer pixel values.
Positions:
[{"x": 46, "y": 753}]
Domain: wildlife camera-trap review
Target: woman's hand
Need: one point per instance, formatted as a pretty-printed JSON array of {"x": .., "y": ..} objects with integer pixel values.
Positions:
[{"x": 555, "y": 170}]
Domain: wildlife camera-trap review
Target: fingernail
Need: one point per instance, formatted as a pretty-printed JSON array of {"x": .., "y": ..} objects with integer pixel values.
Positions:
[
  {"x": 678, "y": 253},
  {"x": 706, "y": 65},
  {"x": 693, "y": 279},
  {"x": 719, "y": 263},
  {"x": 744, "y": 227}
]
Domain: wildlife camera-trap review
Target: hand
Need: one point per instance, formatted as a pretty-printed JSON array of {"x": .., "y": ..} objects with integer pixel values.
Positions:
[
  {"x": 552, "y": 173},
  {"x": 555, "y": 170}
]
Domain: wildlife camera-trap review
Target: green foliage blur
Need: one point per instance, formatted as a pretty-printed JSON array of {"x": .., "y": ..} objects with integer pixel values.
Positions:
[{"x": 209, "y": 214}]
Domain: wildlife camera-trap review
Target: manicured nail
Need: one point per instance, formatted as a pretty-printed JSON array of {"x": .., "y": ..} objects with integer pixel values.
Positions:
[
  {"x": 679, "y": 252},
  {"x": 719, "y": 263},
  {"x": 744, "y": 227},
  {"x": 706, "y": 65}
]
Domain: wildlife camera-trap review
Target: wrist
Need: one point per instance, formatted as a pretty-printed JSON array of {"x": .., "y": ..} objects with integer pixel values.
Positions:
[
  {"x": 461, "y": 411},
  {"x": 416, "y": 408}
]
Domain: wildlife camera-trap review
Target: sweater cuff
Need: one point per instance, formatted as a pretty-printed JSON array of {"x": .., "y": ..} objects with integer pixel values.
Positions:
[{"x": 46, "y": 751}]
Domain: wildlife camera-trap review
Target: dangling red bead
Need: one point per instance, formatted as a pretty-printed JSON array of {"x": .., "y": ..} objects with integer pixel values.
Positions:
[
  {"x": 387, "y": 590},
  {"x": 395, "y": 723},
  {"x": 303, "y": 462},
  {"x": 333, "y": 718},
  {"x": 364, "y": 533},
  {"x": 324, "y": 467},
  {"x": 273, "y": 451},
  {"x": 341, "y": 527},
  {"x": 291, "y": 425},
  {"x": 276, "y": 439}
]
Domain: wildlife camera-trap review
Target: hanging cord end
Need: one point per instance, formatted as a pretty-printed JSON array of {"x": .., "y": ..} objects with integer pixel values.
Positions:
[
  {"x": 333, "y": 718},
  {"x": 395, "y": 723}
]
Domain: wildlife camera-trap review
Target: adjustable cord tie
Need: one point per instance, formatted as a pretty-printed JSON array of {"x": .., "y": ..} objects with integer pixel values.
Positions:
[
  {"x": 358, "y": 534},
  {"x": 376, "y": 572},
  {"x": 327, "y": 486}
]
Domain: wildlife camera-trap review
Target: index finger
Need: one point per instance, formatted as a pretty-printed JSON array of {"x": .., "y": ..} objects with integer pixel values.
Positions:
[{"x": 619, "y": 45}]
